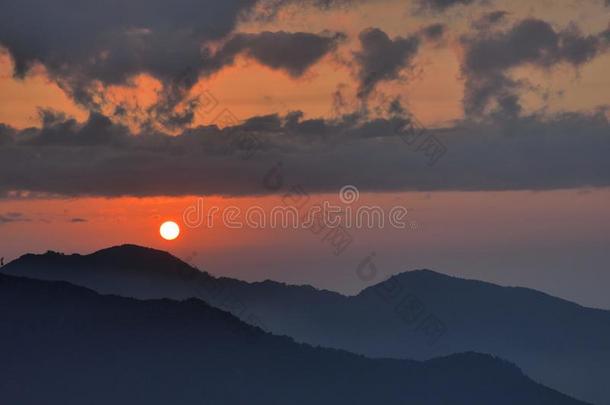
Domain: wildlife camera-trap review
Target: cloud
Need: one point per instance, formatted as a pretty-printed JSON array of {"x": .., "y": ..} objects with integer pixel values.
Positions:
[
  {"x": 269, "y": 9},
  {"x": 6, "y": 134},
  {"x": 291, "y": 52},
  {"x": 382, "y": 58},
  {"x": 108, "y": 43},
  {"x": 12, "y": 217},
  {"x": 61, "y": 130},
  {"x": 488, "y": 20},
  {"x": 111, "y": 41},
  {"x": 491, "y": 54},
  {"x": 88, "y": 47},
  {"x": 534, "y": 152},
  {"x": 434, "y": 32},
  {"x": 78, "y": 220},
  {"x": 441, "y": 5}
]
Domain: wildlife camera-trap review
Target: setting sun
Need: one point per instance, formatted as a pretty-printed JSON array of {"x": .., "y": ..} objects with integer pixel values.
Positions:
[{"x": 169, "y": 230}]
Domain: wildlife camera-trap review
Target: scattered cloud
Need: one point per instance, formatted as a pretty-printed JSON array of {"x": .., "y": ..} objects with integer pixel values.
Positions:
[
  {"x": 291, "y": 52},
  {"x": 491, "y": 54},
  {"x": 78, "y": 220},
  {"x": 112, "y": 42},
  {"x": 266, "y": 10},
  {"x": 489, "y": 20},
  {"x": 86, "y": 49},
  {"x": 441, "y": 5},
  {"x": 382, "y": 58},
  {"x": 13, "y": 217},
  {"x": 434, "y": 32}
]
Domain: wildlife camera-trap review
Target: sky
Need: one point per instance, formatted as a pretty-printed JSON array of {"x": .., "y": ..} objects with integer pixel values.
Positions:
[{"x": 487, "y": 121}]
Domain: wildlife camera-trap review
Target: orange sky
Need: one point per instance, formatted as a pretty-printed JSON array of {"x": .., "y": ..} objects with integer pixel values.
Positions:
[
  {"x": 509, "y": 237},
  {"x": 514, "y": 237}
]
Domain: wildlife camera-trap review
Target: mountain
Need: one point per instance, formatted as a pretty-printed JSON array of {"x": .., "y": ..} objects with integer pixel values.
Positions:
[
  {"x": 418, "y": 315},
  {"x": 63, "y": 344}
]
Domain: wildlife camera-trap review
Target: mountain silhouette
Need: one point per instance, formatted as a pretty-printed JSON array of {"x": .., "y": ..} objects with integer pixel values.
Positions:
[
  {"x": 558, "y": 343},
  {"x": 67, "y": 344}
]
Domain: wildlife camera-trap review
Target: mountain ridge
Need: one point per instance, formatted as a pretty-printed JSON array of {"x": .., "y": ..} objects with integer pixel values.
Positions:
[
  {"x": 562, "y": 344},
  {"x": 71, "y": 345},
  {"x": 134, "y": 248}
]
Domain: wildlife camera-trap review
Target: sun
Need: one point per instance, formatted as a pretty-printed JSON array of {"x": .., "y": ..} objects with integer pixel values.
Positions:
[{"x": 169, "y": 230}]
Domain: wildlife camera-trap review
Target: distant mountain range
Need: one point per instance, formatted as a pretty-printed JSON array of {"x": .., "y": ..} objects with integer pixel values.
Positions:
[
  {"x": 63, "y": 344},
  {"x": 415, "y": 315}
]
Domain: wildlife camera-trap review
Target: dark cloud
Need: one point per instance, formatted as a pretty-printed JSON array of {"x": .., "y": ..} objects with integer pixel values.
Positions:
[
  {"x": 98, "y": 130},
  {"x": 78, "y": 220},
  {"x": 605, "y": 35},
  {"x": 434, "y": 32},
  {"x": 382, "y": 58},
  {"x": 12, "y": 217},
  {"x": 291, "y": 52},
  {"x": 112, "y": 40},
  {"x": 537, "y": 153},
  {"x": 441, "y": 5},
  {"x": 81, "y": 44},
  {"x": 6, "y": 134},
  {"x": 490, "y": 54},
  {"x": 91, "y": 43},
  {"x": 269, "y": 9},
  {"x": 490, "y": 19}
]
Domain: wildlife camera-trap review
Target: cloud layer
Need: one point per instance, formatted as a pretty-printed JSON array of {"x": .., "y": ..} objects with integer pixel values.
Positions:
[
  {"x": 102, "y": 158},
  {"x": 85, "y": 45}
]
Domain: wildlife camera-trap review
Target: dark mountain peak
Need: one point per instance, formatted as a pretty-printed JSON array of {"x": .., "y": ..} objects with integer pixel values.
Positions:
[
  {"x": 131, "y": 259},
  {"x": 420, "y": 278},
  {"x": 428, "y": 280},
  {"x": 130, "y": 249},
  {"x": 301, "y": 289},
  {"x": 481, "y": 360},
  {"x": 127, "y": 259},
  {"x": 423, "y": 274},
  {"x": 50, "y": 257},
  {"x": 48, "y": 254},
  {"x": 137, "y": 255}
]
